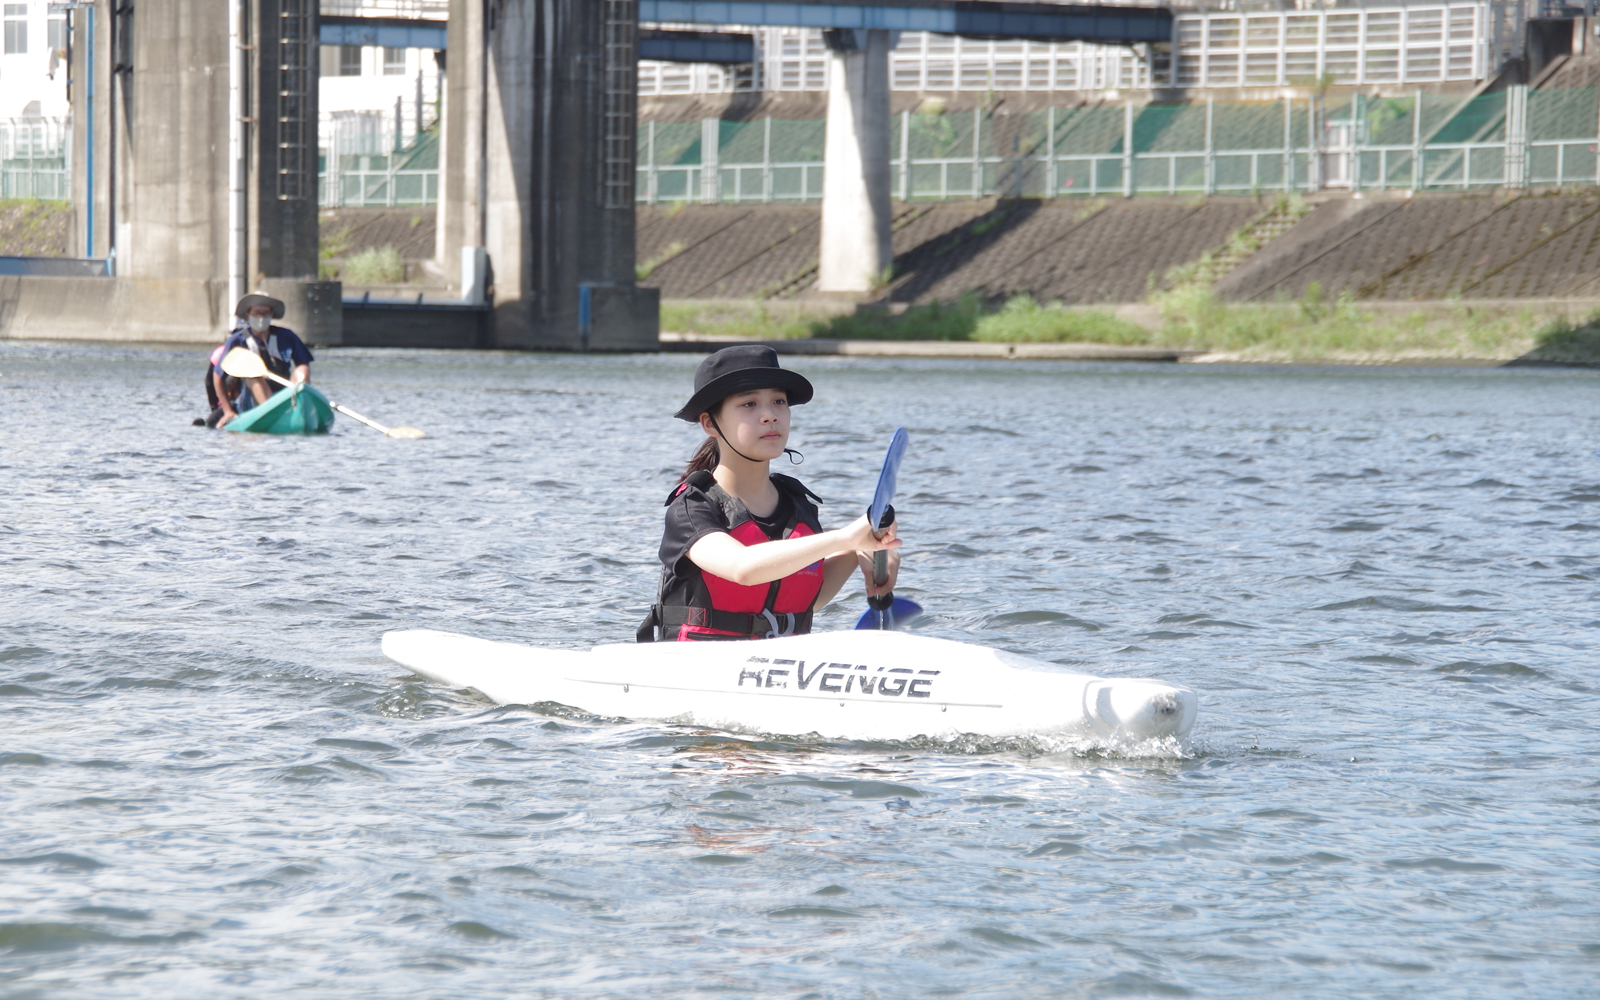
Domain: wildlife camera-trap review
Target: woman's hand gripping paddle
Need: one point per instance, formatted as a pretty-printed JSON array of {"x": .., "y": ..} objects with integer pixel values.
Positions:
[
  {"x": 242, "y": 363},
  {"x": 886, "y": 610}
]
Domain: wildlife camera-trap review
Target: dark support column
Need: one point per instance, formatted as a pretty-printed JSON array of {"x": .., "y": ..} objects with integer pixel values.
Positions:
[
  {"x": 283, "y": 153},
  {"x": 281, "y": 156},
  {"x": 539, "y": 135}
]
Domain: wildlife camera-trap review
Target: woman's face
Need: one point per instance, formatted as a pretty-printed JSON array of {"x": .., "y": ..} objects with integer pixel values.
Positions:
[{"x": 756, "y": 423}]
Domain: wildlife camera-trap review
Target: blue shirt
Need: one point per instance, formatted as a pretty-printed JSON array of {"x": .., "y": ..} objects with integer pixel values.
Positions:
[{"x": 281, "y": 342}]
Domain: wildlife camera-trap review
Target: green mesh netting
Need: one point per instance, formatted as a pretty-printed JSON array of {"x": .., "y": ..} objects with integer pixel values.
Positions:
[
  {"x": 1563, "y": 114},
  {"x": 1246, "y": 143},
  {"x": 675, "y": 144},
  {"x": 1082, "y": 131},
  {"x": 1437, "y": 110},
  {"x": 1390, "y": 121},
  {"x": 422, "y": 154},
  {"x": 1481, "y": 119},
  {"x": 798, "y": 141}
]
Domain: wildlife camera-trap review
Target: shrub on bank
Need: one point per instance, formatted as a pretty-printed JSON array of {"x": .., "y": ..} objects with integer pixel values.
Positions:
[
  {"x": 935, "y": 321},
  {"x": 1561, "y": 340},
  {"x": 374, "y": 266},
  {"x": 1024, "y": 321},
  {"x": 733, "y": 318},
  {"x": 1020, "y": 319},
  {"x": 1311, "y": 328}
]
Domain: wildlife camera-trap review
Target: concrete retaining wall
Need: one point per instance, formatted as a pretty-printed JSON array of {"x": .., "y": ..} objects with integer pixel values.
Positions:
[{"x": 144, "y": 309}]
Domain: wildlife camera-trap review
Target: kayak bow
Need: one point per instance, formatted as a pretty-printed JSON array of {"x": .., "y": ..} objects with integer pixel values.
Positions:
[{"x": 299, "y": 409}]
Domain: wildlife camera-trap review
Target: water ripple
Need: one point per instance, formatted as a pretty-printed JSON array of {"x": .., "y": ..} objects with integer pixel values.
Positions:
[{"x": 216, "y": 785}]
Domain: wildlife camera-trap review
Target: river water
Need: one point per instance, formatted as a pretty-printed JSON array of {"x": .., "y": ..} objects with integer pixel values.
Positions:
[{"x": 1382, "y": 583}]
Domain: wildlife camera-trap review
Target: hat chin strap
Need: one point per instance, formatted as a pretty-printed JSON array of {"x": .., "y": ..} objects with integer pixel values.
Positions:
[{"x": 725, "y": 441}]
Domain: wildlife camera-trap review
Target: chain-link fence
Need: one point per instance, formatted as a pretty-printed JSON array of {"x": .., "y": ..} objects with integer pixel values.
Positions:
[
  {"x": 1423, "y": 142},
  {"x": 36, "y": 158},
  {"x": 366, "y": 163}
]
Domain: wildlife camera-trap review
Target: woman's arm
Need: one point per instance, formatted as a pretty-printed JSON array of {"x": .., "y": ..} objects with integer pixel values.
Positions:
[
  {"x": 750, "y": 565},
  {"x": 836, "y": 573}
]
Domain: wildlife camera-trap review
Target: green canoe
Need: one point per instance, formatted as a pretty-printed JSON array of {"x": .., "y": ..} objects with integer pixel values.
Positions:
[{"x": 299, "y": 409}]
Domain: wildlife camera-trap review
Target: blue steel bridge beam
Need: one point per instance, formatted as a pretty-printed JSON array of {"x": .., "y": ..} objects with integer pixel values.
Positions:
[
  {"x": 390, "y": 32},
  {"x": 724, "y": 47},
  {"x": 1043, "y": 22}
]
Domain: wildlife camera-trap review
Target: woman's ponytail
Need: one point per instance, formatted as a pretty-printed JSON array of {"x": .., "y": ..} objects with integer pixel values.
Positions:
[{"x": 705, "y": 458}]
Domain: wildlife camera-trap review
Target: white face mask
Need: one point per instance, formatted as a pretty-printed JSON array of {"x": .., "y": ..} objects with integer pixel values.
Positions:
[{"x": 260, "y": 324}]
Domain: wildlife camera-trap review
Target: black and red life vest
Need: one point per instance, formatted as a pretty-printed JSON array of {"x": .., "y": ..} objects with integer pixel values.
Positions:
[{"x": 703, "y": 606}]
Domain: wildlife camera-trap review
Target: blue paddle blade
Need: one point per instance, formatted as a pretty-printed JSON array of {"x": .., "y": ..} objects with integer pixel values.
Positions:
[
  {"x": 901, "y": 611},
  {"x": 886, "y": 479}
]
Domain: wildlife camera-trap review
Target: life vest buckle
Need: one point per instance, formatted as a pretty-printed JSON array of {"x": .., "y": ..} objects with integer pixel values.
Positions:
[{"x": 775, "y": 632}]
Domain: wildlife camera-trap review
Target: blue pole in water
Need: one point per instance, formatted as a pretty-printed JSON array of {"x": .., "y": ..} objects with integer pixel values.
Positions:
[
  {"x": 88, "y": 140},
  {"x": 585, "y": 313}
]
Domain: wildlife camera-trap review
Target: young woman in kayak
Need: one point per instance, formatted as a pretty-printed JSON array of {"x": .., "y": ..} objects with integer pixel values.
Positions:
[{"x": 744, "y": 555}]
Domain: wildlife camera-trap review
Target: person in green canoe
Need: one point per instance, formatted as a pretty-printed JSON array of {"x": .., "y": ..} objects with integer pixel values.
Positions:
[
  {"x": 280, "y": 348},
  {"x": 744, "y": 555}
]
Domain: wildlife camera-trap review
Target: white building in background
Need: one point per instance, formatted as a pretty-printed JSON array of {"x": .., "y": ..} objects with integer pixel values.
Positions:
[
  {"x": 33, "y": 56},
  {"x": 393, "y": 92},
  {"x": 1373, "y": 44}
]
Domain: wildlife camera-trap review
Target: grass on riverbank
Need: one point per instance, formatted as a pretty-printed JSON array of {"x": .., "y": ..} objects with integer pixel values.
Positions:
[
  {"x": 33, "y": 228},
  {"x": 1308, "y": 329},
  {"x": 1345, "y": 330},
  {"x": 1019, "y": 320}
]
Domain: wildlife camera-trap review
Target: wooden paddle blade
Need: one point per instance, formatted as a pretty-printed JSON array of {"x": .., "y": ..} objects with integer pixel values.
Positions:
[
  {"x": 404, "y": 432},
  {"x": 241, "y": 363}
]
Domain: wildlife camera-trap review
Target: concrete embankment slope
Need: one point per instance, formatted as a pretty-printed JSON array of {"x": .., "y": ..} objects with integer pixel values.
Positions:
[
  {"x": 1540, "y": 246},
  {"x": 1537, "y": 252},
  {"x": 1533, "y": 246},
  {"x": 1062, "y": 250}
]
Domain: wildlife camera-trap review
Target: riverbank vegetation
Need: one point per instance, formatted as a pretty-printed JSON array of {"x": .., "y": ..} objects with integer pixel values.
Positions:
[
  {"x": 33, "y": 228},
  {"x": 1312, "y": 328}
]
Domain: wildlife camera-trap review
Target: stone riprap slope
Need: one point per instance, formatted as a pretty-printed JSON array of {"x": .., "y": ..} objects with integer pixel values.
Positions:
[
  {"x": 724, "y": 251},
  {"x": 1431, "y": 247},
  {"x": 761, "y": 251},
  {"x": 1493, "y": 246},
  {"x": 1071, "y": 251},
  {"x": 408, "y": 230}
]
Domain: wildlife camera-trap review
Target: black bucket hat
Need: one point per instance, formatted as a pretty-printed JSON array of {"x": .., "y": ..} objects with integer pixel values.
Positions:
[
  {"x": 740, "y": 369},
  {"x": 242, "y": 310}
]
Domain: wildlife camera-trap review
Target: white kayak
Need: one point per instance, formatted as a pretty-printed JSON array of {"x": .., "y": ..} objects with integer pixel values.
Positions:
[{"x": 841, "y": 685}]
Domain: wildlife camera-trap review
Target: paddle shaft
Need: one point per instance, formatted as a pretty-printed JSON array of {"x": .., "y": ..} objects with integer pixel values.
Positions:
[
  {"x": 353, "y": 415},
  {"x": 880, "y": 565}
]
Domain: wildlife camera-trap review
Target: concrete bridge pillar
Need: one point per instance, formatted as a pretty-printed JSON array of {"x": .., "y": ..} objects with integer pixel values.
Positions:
[
  {"x": 857, "y": 249},
  {"x": 538, "y": 169},
  {"x": 157, "y": 166}
]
